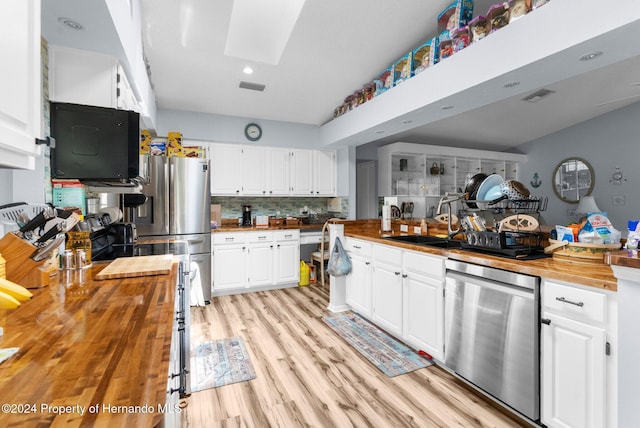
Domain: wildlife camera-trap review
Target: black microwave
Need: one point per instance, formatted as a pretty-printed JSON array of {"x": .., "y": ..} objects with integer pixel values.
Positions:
[{"x": 94, "y": 143}]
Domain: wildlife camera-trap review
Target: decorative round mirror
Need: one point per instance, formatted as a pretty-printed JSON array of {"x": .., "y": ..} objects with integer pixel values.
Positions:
[{"x": 573, "y": 178}]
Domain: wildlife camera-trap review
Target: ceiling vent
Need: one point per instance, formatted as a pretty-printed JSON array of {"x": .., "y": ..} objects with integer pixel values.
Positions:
[
  {"x": 252, "y": 86},
  {"x": 538, "y": 95}
]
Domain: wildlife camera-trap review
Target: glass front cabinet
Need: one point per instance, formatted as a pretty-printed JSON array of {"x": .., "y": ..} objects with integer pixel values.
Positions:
[{"x": 422, "y": 174}]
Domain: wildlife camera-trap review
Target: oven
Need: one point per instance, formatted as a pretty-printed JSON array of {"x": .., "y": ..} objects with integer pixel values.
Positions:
[{"x": 492, "y": 335}]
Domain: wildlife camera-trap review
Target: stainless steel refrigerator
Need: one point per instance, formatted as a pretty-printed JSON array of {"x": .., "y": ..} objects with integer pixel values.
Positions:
[{"x": 178, "y": 208}]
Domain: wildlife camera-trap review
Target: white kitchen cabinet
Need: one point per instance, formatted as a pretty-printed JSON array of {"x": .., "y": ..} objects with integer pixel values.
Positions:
[
  {"x": 245, "y": 261},
  {"x": 259, "y": 258},
  {"x": 20, "y": 84},
  {"x": 89, "y": 78},
  {"x": 423, "y": 276},
  {"x": 286, "y": 244},
  {"x": 229, "y": 260},
  {"x": 406, "y": 169},
  {"x": 254, "y": 170},
  {"x": 386, "y": 288},
  {"x": 358, "y": 291},
  {"x": 226, "y": 169},
  {"x": 324, "y": 172},
  {"x": 301, "y": 164},
  {"x": 578, "y": 367},
  {"x": 278, "y": 174}
]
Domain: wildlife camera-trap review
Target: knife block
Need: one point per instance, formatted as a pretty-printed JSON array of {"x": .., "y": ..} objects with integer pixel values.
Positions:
[{"x": 20, "y": 267}]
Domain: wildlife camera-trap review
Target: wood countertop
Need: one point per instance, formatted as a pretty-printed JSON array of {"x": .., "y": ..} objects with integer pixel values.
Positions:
[
  {"x": 302, "y": 227},
  {"x": 92, "y": 343},
  {"x": 591, "y": 274}
]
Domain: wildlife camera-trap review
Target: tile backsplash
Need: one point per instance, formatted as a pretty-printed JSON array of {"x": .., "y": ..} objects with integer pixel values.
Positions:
[{"x": 274, "y": 206}]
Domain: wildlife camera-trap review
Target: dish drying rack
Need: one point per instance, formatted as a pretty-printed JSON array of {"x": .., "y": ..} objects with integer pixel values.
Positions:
[
  {"x": 13, "y": 214},
  {"x": 518, "y": 235}
]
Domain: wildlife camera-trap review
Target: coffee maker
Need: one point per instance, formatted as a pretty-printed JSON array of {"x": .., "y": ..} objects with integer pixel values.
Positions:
[{"x": 246, "y": 215}]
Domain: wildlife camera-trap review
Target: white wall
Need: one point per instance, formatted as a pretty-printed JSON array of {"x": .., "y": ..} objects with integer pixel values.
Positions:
[{"x": 606, "y": 142}]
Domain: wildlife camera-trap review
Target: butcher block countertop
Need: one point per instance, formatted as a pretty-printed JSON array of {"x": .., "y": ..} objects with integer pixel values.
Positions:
[
  {"x": 590, "y": 274},
  {"x": 88, "y": 351}
]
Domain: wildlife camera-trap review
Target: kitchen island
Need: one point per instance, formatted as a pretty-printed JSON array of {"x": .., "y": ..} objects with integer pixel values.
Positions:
[{"x": 91, "y": 352}]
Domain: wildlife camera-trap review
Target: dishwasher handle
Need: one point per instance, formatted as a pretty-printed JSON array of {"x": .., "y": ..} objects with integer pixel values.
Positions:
[{"x": 496, "y": 286}]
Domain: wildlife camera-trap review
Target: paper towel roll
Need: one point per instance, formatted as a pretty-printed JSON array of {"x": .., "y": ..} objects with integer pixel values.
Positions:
[{"x": 386, "y": 218}]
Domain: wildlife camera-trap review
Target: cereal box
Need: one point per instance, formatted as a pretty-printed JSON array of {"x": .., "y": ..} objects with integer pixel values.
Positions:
[
  {"x": 425, "y": 55},
  {"x": 174, "y": 144},
  {"x": 478, "y": 28},
  {"x": 145, "y": 142},
  {"x": 456, "y": 15},
  {"x": 446, "y": 48},
  {"x": 460, "y": 38},
  {"x": 518, "y": 9},
  {"x": 384, "y": 82},
  {"x": 158, "y": 148},
  {"x": 402, "y": 69},
  {"x": 193, "y": 152},
  {"x": 498, "y": 16}
]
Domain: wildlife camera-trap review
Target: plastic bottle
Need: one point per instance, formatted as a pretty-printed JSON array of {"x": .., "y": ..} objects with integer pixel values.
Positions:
[
  {"x": 304, "y": 274},
  {"x": 633, "y": 236},
  {"x": 423, "y": 226}
]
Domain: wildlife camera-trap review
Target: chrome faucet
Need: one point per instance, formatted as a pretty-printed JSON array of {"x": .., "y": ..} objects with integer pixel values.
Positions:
[{"x": 448, "y": 199}]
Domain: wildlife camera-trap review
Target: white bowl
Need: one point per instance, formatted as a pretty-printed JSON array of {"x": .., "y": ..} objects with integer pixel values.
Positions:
[{"x": 489, "y": 182}]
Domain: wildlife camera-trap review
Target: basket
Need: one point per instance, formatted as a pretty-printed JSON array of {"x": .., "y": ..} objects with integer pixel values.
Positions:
[
  {"x": 10, "y": 215},
  {"x": 275, "y": 221}
]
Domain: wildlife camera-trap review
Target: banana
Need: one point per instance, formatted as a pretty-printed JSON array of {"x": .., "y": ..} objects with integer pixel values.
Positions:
[
  {"x": 7, "y": 301},
  {"x": 14, "y": 290}
]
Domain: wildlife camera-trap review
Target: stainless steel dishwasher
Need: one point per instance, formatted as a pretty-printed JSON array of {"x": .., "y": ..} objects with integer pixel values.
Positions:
[{"x": 492, "y": 333}]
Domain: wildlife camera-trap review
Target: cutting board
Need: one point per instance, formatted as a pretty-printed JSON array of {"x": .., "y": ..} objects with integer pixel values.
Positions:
[{"x": 130, "y": 267}]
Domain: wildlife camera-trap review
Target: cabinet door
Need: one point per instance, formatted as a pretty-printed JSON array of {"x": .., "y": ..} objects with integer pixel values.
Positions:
[
  {"x": 229, "y": 267},
  {"x": 83, "y": 77},
  {"x": 20, "y": 83},
  {"x": 278, "y": 171},
  {"x": 302, "y": 172},
  {"x": 359, "y": 286},
  {"x": 260, "y": 263},
  {"x": 254, "y": 170},
  {"x": 324, "y": 173},
  {"x": 424, "y": 315},
  {"x": 387, "y": 298},
  {"x": 226, "y": 169},
  {"x": 573, "y": 374},
  {"x": 287, "y": 263}
]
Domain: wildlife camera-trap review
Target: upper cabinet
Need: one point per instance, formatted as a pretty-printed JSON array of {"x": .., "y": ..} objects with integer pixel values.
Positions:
[
  {"x": 20, "y": 84},
  {"x": 422, "y": 170},
  {"x": 248, "y": 170},
  {"x": 89, "y": 78}
]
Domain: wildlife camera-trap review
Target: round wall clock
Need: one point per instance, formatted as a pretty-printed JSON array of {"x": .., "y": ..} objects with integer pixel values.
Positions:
[{"x": 253, "y": 132}]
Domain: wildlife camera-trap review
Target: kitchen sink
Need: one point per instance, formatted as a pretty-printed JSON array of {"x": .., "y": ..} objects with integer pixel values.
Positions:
[{"x": 428, "y": 241}]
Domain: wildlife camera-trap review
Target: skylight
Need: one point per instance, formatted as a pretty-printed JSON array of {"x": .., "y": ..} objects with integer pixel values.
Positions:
[{"x": 259, "y": 30}]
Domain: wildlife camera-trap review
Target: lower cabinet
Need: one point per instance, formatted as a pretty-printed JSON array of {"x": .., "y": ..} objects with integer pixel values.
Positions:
[
  {"x": 578, "y": 366},
  {"x": 245, "y": 260},
  {"x": 358, "y": 282},
  {"x": 406, "y": 289}
]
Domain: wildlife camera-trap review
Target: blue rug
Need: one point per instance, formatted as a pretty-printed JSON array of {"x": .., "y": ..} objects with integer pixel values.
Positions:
[
  {"x": 390, "y": 356},
  {"x": 219, "y": 363}
]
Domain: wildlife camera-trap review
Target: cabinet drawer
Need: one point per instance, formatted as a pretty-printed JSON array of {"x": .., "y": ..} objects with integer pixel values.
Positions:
[
  {"x": 387, "y": 255},
  {"x": 579, "y": 304},
  {"x": 266, "y": 236},
  {"x": 358, "y": 247},
  {"x": 424, "y": 264},
  {"x": 286, "y": 235},
  {"x": 228, "y": 238}
]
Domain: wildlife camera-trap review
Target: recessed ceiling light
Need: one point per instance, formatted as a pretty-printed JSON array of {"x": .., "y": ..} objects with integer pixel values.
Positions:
[
  {"x": 379, "y": 131},
  {"x": 74, "y": 25},
  {"x": 511, "y": 84},
  {"x": 247, "y": 70},
  {"x": 538, "y": 95},
  {"x": 448, "y": 107},
  {"x": 407, "y": 121},
  {"x": 590, "y": 56}
]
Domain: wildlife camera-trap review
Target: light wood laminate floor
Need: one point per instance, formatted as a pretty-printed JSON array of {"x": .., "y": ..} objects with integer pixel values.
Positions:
[{"x": 308, "y": 376}]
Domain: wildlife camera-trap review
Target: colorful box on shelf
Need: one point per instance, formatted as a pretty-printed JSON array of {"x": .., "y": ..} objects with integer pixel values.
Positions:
[
  {"x": 460, "y": 38},
  {"x": 498, "y": 16},
  {"x": 384, "y": 82},
  {"x": 194, "y": 152},
  {"x": 478, "y": 28},
  {"x": 425, "y": 55},
  {"x": 402, "y": 69},
  {"x": 69, "y": 193},
  {"x": 518, "y": 9},
  {"x": 145, "y": 142},
  {"x": 456, "y": 15}
]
